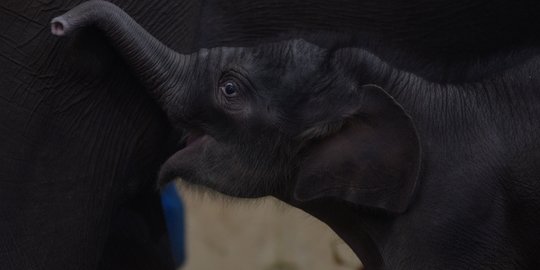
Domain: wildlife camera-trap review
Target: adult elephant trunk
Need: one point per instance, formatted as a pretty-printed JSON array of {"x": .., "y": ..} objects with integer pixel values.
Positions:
[{"x": 158, "y": 67}]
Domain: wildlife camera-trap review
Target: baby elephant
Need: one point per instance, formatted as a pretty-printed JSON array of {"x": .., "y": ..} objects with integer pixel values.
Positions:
[{"x": 412, "y": 174}]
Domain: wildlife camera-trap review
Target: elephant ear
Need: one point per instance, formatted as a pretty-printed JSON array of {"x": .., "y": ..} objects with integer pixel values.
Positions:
[{"x": 372, "y": 161}]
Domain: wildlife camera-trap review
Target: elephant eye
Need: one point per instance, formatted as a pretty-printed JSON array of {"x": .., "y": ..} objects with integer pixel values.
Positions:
[{"x": 229, "y": 89}]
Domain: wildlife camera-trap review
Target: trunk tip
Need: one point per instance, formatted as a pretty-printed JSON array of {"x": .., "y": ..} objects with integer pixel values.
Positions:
[{"x": 59, "y": 26}]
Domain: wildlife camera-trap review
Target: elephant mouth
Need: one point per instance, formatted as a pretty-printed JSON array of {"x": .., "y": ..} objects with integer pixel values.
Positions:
[
  {"x": 193, "y": 142},
  {"x": 192, "y": 138},
  {"x": 181, "y": 162}
]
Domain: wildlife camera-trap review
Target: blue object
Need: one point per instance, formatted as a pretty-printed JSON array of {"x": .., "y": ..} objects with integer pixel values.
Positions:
[{"x": 173, "y": 210}]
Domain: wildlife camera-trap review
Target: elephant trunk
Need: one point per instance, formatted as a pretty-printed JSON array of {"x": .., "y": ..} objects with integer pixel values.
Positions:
[{"x": 155, "y": 64}]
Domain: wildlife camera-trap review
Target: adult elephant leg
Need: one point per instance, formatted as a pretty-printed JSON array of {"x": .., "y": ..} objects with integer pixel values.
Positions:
[{"x": 78, "y": 147}]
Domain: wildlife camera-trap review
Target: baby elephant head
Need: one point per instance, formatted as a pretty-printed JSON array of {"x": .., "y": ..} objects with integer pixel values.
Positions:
[{"x": 287, "y": 119}]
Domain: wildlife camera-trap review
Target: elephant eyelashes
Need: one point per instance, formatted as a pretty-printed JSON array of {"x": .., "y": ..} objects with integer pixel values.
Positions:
[{"x": 229, "y": 88}]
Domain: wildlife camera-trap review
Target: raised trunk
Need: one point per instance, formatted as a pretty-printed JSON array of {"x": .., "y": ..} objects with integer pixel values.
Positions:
[{"x": 158, "y": 67}]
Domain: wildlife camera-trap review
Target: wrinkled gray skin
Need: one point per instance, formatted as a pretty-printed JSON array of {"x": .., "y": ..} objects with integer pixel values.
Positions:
[{"x": 412, "y": 174}]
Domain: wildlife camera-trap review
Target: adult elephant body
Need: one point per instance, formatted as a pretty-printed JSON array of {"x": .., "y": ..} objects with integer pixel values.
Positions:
[
  {"x": 436, "y": 33},
  {"x": 79, "y": 145}
]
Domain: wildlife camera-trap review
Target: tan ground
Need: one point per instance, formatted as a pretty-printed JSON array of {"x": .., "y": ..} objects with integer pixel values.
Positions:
[{"x": 262, "y": 235}]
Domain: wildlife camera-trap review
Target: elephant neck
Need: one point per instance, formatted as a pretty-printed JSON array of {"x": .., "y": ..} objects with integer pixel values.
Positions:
[
  {"x": 444, "y": 111},
  {"x": 488, "y": 86}
]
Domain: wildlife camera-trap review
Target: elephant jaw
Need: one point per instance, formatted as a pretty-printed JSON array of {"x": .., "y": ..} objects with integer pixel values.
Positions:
[{"x": 181, "y": 163}]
